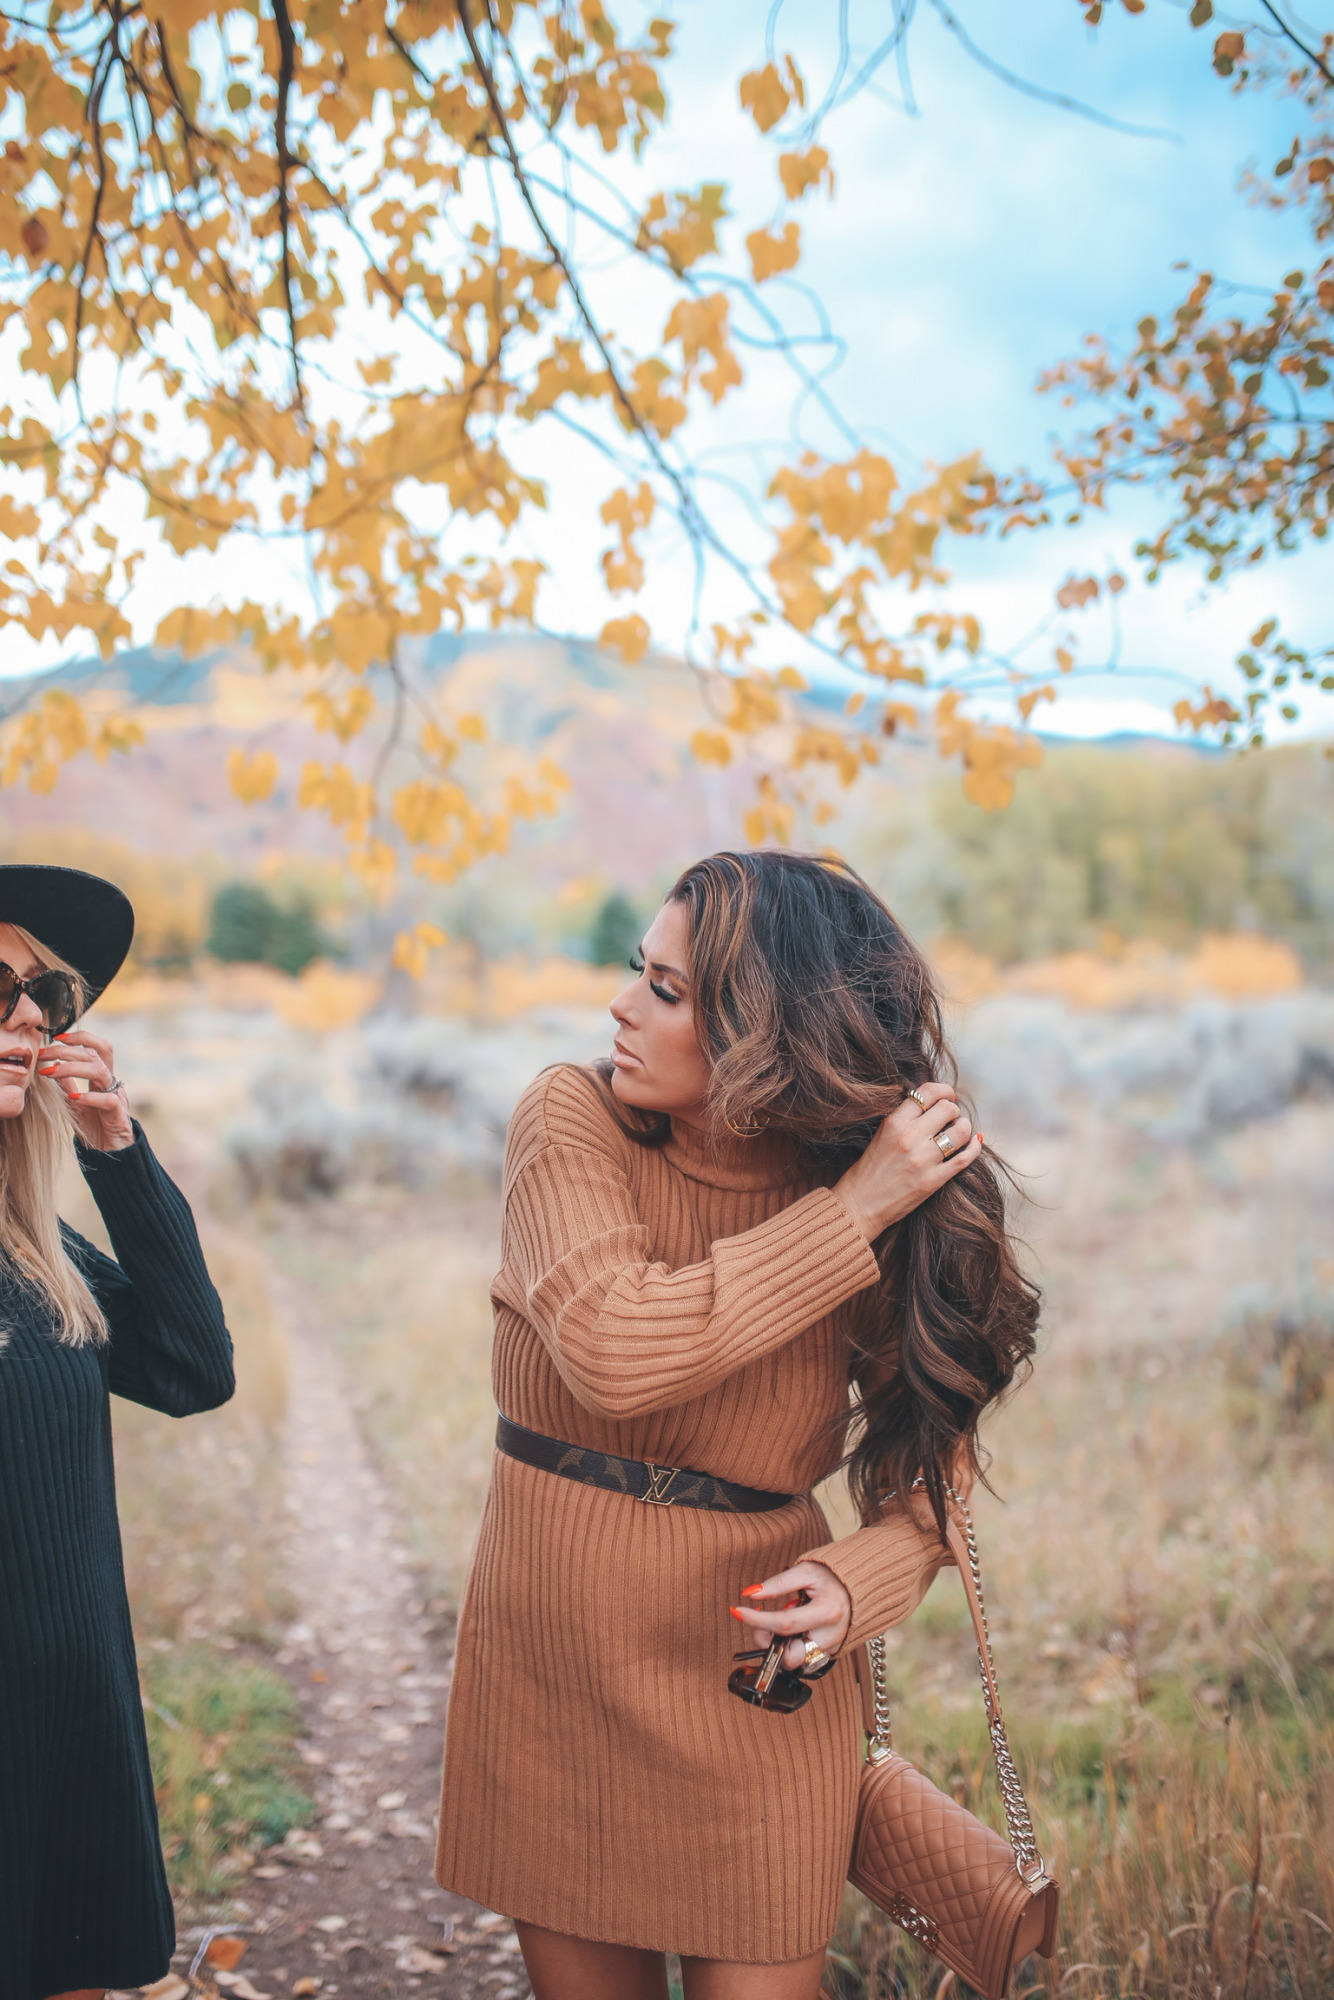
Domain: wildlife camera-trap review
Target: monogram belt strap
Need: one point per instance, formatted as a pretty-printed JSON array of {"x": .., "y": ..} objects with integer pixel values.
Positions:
[{"x": 641, "y": 1479}]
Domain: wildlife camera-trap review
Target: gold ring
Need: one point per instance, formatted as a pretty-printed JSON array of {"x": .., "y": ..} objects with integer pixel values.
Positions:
[
  {"x": 816, "y": 1656},
  {"x": 917, "y": 1098},
  {"x": 944, "y": 1141}
]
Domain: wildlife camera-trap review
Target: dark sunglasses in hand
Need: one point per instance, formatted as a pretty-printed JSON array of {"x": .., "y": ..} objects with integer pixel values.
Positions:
[
  {"x": 51, "y": 992},
  {"x": 771, "y": 1685}
]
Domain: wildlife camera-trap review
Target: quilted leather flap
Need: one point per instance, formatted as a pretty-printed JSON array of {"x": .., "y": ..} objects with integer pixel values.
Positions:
[{"x": 914, "y": 1840}]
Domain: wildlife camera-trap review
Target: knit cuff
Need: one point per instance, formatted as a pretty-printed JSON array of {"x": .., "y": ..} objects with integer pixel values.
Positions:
[
  {"x": 119, "y": 1179},
  {"x": 886, "y": 1570}
]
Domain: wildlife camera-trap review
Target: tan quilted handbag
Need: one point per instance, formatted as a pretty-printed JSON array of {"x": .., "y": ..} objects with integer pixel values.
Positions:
[{"x": 978, "y": 1902}]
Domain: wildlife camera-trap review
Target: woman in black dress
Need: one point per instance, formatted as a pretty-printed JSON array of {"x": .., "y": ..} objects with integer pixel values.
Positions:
[{"x": 83, "y": 1894}]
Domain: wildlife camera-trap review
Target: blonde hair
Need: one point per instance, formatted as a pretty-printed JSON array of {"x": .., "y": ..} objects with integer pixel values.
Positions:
[{"x": 34, "y": 1147}]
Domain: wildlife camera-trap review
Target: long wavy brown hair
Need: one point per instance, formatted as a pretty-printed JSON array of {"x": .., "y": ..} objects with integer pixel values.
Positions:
[{"x": 819, "y": 1014}]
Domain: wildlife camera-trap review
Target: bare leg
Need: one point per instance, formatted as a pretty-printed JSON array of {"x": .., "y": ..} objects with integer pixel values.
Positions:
[
  {"x": 567, "y": 1968},
  {"x": 718, "y": 1979}
]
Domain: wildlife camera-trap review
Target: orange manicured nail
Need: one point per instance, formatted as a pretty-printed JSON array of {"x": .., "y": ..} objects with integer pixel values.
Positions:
[
  {"x": 753, "y": 1590},
  {"x": 740, "y": 1615}
]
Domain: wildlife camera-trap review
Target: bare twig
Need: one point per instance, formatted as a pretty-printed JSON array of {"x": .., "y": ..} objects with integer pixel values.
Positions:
[
  {"x": 1291, "y": 35},
  {"x": 1037, "y": 90}
]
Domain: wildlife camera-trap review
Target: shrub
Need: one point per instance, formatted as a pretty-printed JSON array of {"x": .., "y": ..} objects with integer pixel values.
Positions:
[
  {"x": 1279, "y": 1369},
  {"x": 249, "y": 926},
  {"x": 616, "y": 931}
]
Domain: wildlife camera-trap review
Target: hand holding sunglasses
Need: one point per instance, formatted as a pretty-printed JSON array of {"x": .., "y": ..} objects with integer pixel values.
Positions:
[{"x": 803, "y": 1633}]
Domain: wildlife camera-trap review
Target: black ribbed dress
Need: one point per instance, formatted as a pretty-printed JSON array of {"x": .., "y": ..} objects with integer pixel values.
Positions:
[{"x": 83, "y": 1892}]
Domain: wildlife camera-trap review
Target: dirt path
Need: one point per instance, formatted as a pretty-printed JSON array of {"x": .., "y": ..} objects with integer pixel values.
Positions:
[{"x": 353, "y": 1904}]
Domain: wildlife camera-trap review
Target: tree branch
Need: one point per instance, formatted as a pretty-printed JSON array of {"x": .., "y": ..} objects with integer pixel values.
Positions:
[
  {"x": 1291, "y": 35},
  {"x": 286, "y": 73}
]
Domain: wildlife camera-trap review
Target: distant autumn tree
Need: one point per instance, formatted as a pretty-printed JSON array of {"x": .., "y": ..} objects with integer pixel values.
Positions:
[
  {"x": 1224, "y": 410},
  {"x": 322, "y": 275}
]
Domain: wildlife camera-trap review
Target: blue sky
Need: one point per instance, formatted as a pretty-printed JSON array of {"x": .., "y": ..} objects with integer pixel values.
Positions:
[{"x": 975, "y": 239}]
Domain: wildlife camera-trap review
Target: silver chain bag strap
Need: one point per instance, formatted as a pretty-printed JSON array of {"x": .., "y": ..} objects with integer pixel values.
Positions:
[{"x": 979, "y": 1903}]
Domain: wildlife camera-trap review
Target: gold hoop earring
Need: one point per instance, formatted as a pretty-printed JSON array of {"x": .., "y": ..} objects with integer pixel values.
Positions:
[{"x": 744, "y": 1132}]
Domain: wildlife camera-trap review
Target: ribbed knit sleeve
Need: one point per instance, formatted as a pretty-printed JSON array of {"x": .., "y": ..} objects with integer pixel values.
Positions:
[
  {"x": 886, "y": 1568},
  {"x": 169, "y": 1345},
  {"x": 627, "y": 1335}
]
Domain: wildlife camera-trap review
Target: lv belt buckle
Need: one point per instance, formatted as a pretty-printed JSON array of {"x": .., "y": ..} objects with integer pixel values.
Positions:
[{"x": 660, "y": 1478}]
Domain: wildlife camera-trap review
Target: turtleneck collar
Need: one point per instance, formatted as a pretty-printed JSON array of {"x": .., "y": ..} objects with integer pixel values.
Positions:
[{"x": 769, "y": 1160}]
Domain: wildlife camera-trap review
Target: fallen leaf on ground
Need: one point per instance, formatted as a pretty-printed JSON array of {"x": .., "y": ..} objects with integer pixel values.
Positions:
[
  {"x": 490, "y": 1920},
  {"x": 303, "y": 1988},
  {"x": 388, "y": 1801},
  {"x": 417, "y": 1959},
  {"x": 172, "y": 1987},
  {"x": 331, "y": 1923},
  {"x": 224, "y": 1954},
  {"x": 269, "y": 1874}
]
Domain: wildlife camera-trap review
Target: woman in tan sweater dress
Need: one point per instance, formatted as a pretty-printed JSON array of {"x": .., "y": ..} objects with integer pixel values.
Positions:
[{"x": 699, "y": 1256}]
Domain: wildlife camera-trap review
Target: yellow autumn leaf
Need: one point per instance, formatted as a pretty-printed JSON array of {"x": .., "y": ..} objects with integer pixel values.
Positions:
[
  {"x": 764, "y": 94},
  {"x": 412, "y": 948},
  {"x": 346, "y": 719},
  {"x": 252, "y": 778},
  {"x": 16, "y": 519},
  {"x": 770, "y": 255},
  {"x": 799, "y": 172},
  {"x": 627, "y": 636},
  {"x": 771, "y": 818},
  {"x": 710, "y": 746}
]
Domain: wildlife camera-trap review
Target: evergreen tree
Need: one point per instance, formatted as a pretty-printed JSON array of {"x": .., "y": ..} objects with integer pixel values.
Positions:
[
  {"x": 241, "y": 931},
  {"x": 616, "y": 931},
  {"x": 249, "y": 926}
]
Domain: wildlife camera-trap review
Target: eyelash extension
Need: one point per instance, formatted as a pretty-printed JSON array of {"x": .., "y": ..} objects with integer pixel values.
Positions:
[{"x": 637, "y": 965}]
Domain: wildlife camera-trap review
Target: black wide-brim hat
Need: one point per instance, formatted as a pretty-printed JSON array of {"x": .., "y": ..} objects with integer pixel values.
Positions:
[{"x": 82, "y": 919}]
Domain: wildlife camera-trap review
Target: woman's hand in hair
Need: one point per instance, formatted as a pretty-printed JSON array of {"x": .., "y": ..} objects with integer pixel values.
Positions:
[
  {"x": 904, "y": 1163},
  {"x": 813, "y": 1604},
  {"x": 102, "y": 1114}
]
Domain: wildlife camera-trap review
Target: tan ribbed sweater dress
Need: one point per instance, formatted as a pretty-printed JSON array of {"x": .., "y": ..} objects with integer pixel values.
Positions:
[{"x": 693, "y": 1308}]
